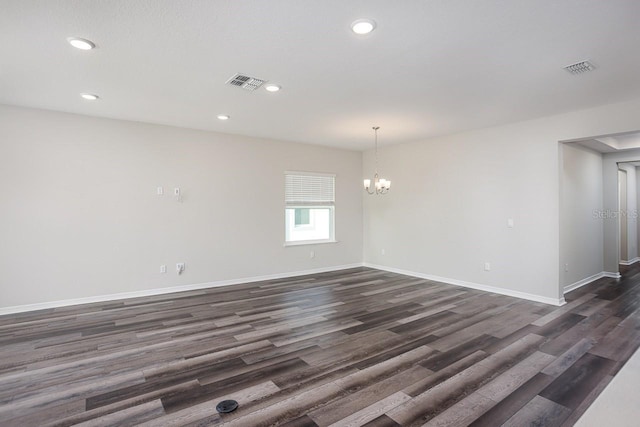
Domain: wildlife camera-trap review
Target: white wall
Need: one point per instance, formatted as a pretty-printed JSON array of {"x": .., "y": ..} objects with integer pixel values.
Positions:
[
  {"x": 581, "y": 233},
  {"x": 632, "y": 211},
  {"x": 79, "y": 214},
  {"x": 447, "y": 212},
  {"x": 637, "y": 212}
]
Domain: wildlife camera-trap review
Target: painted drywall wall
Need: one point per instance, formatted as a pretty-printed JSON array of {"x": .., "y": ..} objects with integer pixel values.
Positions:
[
  {"x": 637, "y": 209},
  {"x": 451, "y": 197},
  {"x": 632, "y": 211},
  {"x": 581, "y": 234},
  {"x": 622, "y": 211},
  {"x": 80, "y": 216},
  {"x": 610, "y": 205}
]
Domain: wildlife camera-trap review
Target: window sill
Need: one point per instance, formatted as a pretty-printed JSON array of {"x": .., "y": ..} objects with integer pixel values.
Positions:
[{"x": 309, "y": 242}]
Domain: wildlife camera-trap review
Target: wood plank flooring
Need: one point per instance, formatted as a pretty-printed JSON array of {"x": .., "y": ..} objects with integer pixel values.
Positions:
[{"x": 348, "y": 348}]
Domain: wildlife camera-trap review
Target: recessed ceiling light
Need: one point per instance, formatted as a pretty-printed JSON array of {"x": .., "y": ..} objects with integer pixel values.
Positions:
[
  {"x": 223, "y": 117},
  {"x": 89, "y": 96},
  {"x": 363, "y": 26},
  {"x": 272, "y": 88},
  {"x": 82, "y": 44}
]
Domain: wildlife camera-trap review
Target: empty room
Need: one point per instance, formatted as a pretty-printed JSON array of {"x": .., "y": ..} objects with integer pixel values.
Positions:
[{"x": 319, "y": 213}]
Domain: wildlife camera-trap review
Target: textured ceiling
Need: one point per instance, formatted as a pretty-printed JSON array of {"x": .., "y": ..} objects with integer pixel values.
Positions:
[{"x": 431, "y": 67}]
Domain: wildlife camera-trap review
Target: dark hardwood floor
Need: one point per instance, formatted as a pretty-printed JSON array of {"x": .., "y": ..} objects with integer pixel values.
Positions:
[{"x": 355, "y": 347}]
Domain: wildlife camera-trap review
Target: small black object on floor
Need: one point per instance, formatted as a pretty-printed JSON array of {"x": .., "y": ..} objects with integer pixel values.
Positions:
[{"x": 226, "y": 406}]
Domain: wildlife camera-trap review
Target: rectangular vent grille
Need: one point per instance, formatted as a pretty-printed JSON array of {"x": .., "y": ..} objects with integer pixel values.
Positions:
[
  {"x": 245, "y": 82},
  {"x": 580, "y": 67}
]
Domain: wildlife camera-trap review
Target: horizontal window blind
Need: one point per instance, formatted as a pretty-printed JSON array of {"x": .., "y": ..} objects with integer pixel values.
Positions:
[{"x": 301, "y": 189}]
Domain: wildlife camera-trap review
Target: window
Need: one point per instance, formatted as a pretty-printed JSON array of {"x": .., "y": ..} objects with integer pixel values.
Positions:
[
  {"x": 309, "y": 207},
  {"x": 302, "y": 217}
]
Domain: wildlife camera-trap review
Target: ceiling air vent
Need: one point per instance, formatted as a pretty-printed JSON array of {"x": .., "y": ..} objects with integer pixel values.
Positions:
[
  {"x": 580, "y": 67},
  {"x": 245, "y": 82}
]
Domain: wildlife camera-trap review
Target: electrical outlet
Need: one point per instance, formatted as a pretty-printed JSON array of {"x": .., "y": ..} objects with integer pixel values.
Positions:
[
  {"x": 382, "y": 252},
  {"x": 566, "y": 267},
  {"x": 163, "y": 268},
  {"x": 487, "y": 266},
  {"x": 160, "y": 191},
  {"x": 312, "y": 254},
  {"x": 180, "y": 267},
  {"x": 510, "y": 223},
  {"x": 177, "y": 194}
]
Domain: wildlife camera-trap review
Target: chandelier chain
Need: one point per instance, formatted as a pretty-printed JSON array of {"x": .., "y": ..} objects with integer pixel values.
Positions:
[{"x": 375, "y": 129}]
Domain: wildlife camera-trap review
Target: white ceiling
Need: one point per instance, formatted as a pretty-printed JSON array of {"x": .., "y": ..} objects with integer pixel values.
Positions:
[
  {"x": 431, "y": 67},
  {"x": 612, "y": 143}
]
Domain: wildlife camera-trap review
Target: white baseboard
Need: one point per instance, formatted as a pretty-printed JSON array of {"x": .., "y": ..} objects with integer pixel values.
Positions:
[
  {"x": 631, "y": 261},
  {"x": 198, "y": 286},
  {"x": 486, "y": 288},
  {"x": 161, "y": 291},
  {"x": 586, "y": 281}
]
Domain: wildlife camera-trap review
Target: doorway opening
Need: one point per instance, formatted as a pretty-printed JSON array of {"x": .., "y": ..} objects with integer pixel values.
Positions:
[
  {"x": 599, "y": 201},
  {"x": 622, "y": 216}
]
